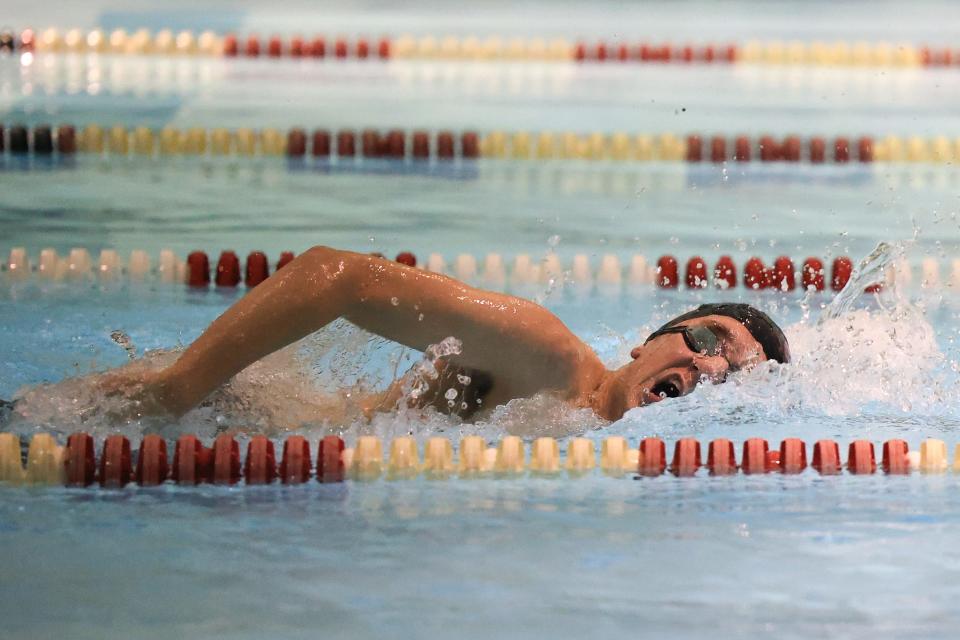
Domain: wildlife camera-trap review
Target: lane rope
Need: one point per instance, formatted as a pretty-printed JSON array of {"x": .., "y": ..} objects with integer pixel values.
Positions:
[
  {"x": 351, "y": 145},
  {"x": 473, "y": 48},
  {"x": 190, "y": 462},
  {"x": 610, "y": 275}
]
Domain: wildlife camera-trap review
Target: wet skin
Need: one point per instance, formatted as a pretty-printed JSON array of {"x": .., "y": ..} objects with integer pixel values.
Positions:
[{"x": 516, "y": 346}]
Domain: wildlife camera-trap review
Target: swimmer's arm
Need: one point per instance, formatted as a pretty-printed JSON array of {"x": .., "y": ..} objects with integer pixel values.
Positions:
[{"x": 503, "y": 335}]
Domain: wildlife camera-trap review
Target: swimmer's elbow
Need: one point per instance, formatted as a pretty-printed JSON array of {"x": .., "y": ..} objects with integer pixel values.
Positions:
[{"x": 320, "y": 253}]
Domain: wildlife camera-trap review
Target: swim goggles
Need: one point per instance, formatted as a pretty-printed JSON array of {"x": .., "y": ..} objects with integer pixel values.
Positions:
[{"x": 699, "y": 339}]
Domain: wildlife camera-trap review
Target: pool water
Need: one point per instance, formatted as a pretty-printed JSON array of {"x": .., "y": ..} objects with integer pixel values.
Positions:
[{"x": 743, "y": 556}]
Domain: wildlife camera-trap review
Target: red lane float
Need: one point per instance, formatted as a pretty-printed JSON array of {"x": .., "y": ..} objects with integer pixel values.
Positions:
[
  {"x": 469, "y": 145},
  {"x": 407, "y": 258},
  {"x": 686, "y": 458},
  {"x": 818, "y": 150},
  {"x": 791, "y": 149},
  {"x": 754, "y": 458},
  {"x": 370, "y": 144},
  {"x": 258, "y": 268},
  {"x": 784, "y": 277},
  {"x": 152, "y": 467},
  {"x": 725, "y": 273},
  {"x": 225, "y": 460},
  {"x": 445, "y": 145},
  {"x": 274, "y": 47},
  {"x": 260, "y": 466},
  {"x": 697, "y": 273},
  {"x": 231, "y": 48},
  {"x": 228, "y": 270},
  {"x": 718, "y": 149},
  {"x": 653, "y": 457},
  {"x": 743, "y": 149},
  {"x": 296, "y": 143},
  {"x": 860, "y": 458},
  {"x": 198, "y": 269},
  {"x": 383, "y": 48},
  {"x": 895, "y": 460},
  {"x": 773, "y": 460},
  {"x": 754, "y": 274},
  {"x": 79, "y": 460},
  {"x": 191, "y": 461},
  {"x": 721, "y": 459},
  {"x": 694, "y": 148},
  {"x": 667, "y": 277},
  {"x": 841, "y": 150},
  {"x": 812, "y": 274},
  {"x": 115, "y": 466},
  {"x": 842, "y": 270},
  {"x": 66, "y": 139},
  {"x": 396, "y": 144},
  {"x": 252, "y": 47},
  {"x": 346, "y": 144},
  {"x": 330, "y": 460},
  {"x": 320, "y": 144},
  {"x": 420, "y": 145},
  {"x": 793, "y": 456},
  {"x": 297, "y": 48},
  {"x": 285, "y": 258},
  {"x": 295, "y": 465},
  {"x": 826, "y": 457},
  {"x": 769, "y": 149}
]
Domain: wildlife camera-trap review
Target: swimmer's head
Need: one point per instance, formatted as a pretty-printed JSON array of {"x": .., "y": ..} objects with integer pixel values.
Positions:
[{"x": 703, "y": 345}]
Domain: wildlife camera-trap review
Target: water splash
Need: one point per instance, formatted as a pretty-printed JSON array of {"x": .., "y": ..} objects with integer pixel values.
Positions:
[
  {"x": 864, "y": 353},
  {"x": 871, "y": 270}
]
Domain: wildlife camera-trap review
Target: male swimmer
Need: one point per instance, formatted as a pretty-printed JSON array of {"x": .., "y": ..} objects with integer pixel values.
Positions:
[{"x": 511, "y": 347}]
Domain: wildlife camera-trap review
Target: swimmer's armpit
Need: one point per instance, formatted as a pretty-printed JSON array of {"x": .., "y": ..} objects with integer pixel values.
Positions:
[{"x": 455, "y": 390}]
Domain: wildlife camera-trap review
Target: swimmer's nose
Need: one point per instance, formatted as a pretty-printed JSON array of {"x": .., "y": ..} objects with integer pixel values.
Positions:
[{"x": 713, "y": 367}]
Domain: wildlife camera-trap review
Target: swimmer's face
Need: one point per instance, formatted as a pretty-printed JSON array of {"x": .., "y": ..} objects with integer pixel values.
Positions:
[{"x": 666, "y": 367}]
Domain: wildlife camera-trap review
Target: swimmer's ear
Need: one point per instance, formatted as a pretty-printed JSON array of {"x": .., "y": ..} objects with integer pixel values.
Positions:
[{"x": 635, "y": 352}]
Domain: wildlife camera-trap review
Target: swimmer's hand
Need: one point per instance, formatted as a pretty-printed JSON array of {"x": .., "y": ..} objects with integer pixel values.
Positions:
[{"x": 138, "y": 394}]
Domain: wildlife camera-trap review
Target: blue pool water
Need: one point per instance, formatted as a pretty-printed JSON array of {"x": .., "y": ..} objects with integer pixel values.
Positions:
[{"x": 791, "y": 556}]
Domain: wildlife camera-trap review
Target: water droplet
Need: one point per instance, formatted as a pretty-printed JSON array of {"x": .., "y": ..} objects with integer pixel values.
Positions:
[{"x": 394, "y": 300}]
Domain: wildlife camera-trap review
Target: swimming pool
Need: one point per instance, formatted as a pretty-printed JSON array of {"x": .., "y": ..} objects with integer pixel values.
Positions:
[{"x": 562, "y": 556}]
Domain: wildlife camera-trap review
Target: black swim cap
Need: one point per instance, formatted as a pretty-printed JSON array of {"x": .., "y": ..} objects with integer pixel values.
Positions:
[{"x": 761, "y": 327}]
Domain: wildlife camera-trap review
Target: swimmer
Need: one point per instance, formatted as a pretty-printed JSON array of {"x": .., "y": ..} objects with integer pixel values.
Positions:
[{"x": 510, "y": 347}]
